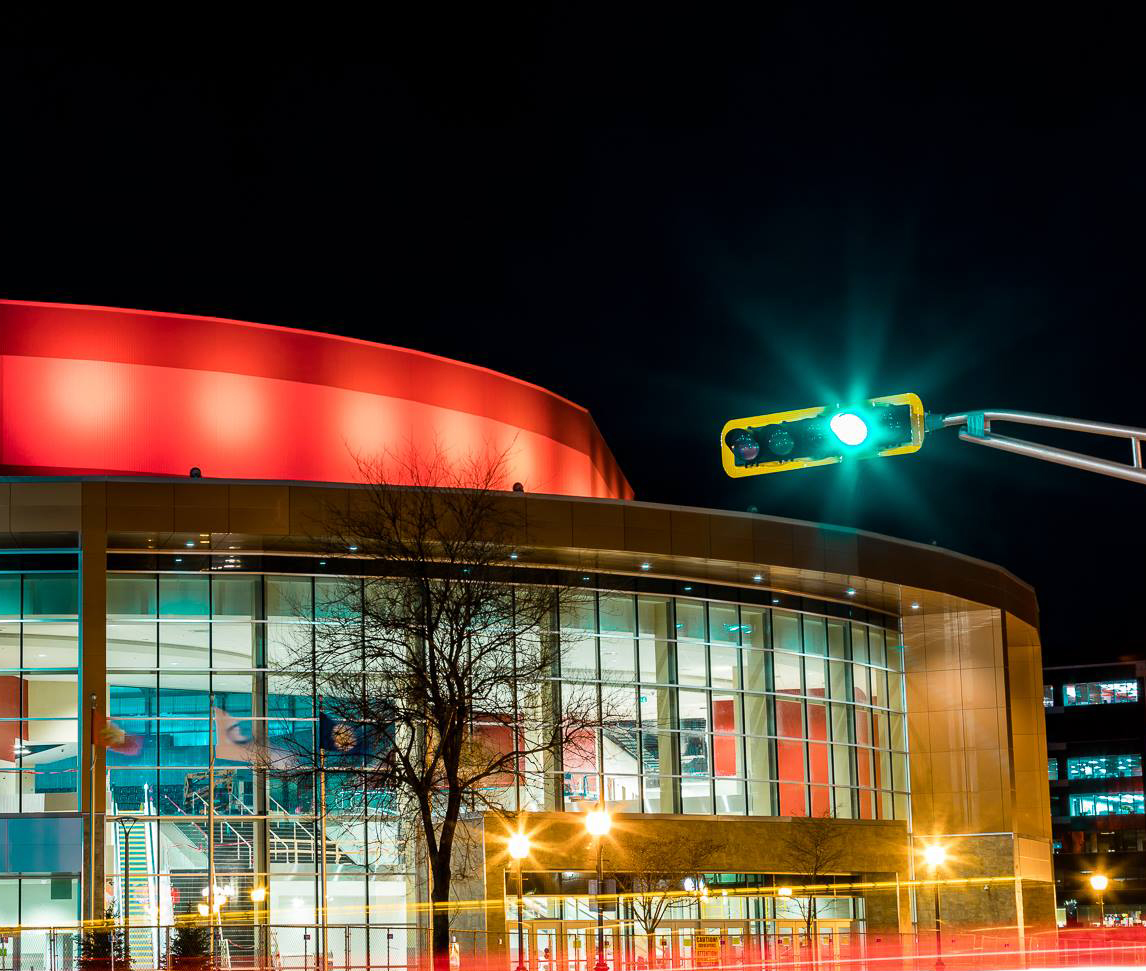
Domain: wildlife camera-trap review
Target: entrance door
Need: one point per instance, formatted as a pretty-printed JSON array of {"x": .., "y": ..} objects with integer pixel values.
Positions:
[
  {"x": 578, "y": 945},
  {"x": 545, "y": 938}
]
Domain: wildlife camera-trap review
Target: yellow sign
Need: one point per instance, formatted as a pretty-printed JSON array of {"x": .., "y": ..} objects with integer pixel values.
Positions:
[{"x": 706, "y": 950}]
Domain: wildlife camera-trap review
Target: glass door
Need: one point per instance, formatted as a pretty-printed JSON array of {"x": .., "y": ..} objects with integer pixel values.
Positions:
[
  {"x": 545, "y": 936},
  {"x": 578, "y": 944}
]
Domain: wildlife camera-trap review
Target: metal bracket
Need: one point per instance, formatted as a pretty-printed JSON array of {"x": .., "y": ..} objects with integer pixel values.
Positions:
[{"x": 975, "y": 426}]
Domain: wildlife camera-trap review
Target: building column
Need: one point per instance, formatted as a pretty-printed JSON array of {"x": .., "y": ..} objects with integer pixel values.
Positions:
[{"x": 93, "y": 682}]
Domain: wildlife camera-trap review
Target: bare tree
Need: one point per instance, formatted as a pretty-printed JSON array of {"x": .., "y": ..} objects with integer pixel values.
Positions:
[
  {"x": 813, "y": 848},
  {"x": 457, "y": 699},
  {"x": 654, "y": 874}
]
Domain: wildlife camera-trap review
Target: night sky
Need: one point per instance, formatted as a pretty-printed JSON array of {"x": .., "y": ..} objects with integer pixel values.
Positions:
[{"x": 672, "y": 222}]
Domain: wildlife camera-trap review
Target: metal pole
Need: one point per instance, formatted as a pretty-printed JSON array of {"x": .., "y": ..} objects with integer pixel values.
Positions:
[
  {"x": 211, "y": 829},
  {"x": 1101, "y": 912},
  {"x": 322, "y": 848},
  {"x": 520, "y": 922},
  {"x": 602, "y": 964},
  {"x": 92, "y": 814},
  {"x": 938, "y": 922}
]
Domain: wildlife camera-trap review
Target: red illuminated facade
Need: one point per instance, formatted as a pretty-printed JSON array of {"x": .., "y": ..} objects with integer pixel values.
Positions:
[{"x": 101, "y": 390}]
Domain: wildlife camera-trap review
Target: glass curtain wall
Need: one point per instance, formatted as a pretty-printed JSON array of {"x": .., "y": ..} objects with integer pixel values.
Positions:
[
  {"x": 39, "y": 735},
  {"x": 195, "y": 678},
  {"x": 720, "y": 708},
  {"x": 708, "y": 707}
]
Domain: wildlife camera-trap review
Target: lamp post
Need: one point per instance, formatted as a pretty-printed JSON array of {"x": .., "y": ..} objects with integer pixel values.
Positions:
[
  {"x": 1099, "y": 883},
  {"x": 519, "y": 850},
  {"x": 598, "y": 823},
  {"x": 258, "y": 895},
  {"x": 934, "y": 856}
]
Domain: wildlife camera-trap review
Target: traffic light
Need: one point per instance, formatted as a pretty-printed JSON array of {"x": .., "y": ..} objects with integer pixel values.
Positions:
[{"x": 788, "y": 440}]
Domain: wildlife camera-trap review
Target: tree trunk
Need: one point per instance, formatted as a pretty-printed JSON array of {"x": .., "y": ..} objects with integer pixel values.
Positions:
[{"x": 440, "y": 917}]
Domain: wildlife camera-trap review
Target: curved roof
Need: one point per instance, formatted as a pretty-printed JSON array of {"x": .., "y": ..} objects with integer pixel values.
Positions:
[{"x": 104, "y": 390}]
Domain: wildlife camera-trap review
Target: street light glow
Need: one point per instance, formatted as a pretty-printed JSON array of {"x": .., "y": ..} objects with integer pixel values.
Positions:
[
  {"x": 849, "y": 428},
  {"x": 258, "y": 894},
  {"x": 1099, "y": 882},
  {"x": 519, "y": 846},
  {"x": 934, "y": 855},
  {"x": 598, "y": 822}
]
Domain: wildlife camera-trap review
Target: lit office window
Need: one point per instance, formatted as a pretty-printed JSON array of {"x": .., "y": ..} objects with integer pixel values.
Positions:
[
  {"x": 1099, "y": 693},
  {"x": 1104, "y": 767},
  {"x": 1048, "y": 695},
  {"x": 1107, "y": 804},
  {"x": 1052, "y": 770}
]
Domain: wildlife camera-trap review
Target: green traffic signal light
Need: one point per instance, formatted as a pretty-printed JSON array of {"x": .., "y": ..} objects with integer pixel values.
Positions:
[
  {"x": 780, "y": 442},
  {"x": 849, "y": 428}
]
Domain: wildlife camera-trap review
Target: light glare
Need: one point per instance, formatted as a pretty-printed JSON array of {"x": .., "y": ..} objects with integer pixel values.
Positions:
[
  {"x": 849, "y": 428},
  {"x": 598, "y": 822},
  {"x": 519, "y": 846}
]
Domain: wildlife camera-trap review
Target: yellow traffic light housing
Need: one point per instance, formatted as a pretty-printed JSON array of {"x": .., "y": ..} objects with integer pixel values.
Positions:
[{"x": 787, "y": 440}]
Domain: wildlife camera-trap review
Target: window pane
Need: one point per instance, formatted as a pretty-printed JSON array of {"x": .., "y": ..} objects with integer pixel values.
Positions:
[
  {"x": 234, "y": 645},
  {"x": 785, "y": 631},
  {"x": 618, "y": 660},
  {"x": 693, "y": 707},
  {"x": 815, "y": 680},
  {"x": 690, "y": 664},
  {"x": 236, "y": 596},
  {"x": 689, "y": 620},
  {"x": 815, "y": 636},
  {"x": 754, "y": 627},
  {"x": 725, "y": 664},
  {"x": 10, "y": 645},
  {"x": 289, "y": 598},
  {"x": 184, "y": 646},
  {"x": 132, "y": 645},
  {"x": 726, "y": 713},
  {"x": 52, "y": 645},
  {"x": 723, "y": 623},
  {"x": 617, "y": 615},
  {"x": 10, "y": 597},
  {"x": 786, "y": 671},
  {"x": 130, "y": 596},
  {"x": 183, "y": 597},
  {"x": 837, "y": 640},
  {"x": 51, "y": 596}
]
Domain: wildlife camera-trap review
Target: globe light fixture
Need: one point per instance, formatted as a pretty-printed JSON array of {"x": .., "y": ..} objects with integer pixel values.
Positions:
[
  {"x": 598, "y": 822},
  {"x": 934, "y": 855},
  {"x": 519, "y": 846},
  {"x": 1099, "y": 882}
]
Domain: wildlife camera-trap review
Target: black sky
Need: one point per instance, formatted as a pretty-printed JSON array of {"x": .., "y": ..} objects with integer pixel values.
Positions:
[{"x": 670, "y": 220}]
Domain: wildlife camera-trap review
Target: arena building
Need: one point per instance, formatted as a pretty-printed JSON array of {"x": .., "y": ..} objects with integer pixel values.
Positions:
[{"x": 161, "y": 473}]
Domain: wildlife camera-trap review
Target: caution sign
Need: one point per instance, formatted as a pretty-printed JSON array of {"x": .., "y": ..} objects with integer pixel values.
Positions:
[{"x": 706, "y": 950}]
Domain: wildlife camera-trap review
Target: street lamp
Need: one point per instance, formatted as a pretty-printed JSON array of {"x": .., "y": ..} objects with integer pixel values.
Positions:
[
  {"x": 519, "y": 850},
  {"x": 1099, "y": 883},
  {"x": 935, "y": 856},
  {"x": 598, "y": 823}
]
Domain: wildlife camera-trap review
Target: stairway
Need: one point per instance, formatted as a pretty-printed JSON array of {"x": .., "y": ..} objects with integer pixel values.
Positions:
[{"x": 137, "y": 891}]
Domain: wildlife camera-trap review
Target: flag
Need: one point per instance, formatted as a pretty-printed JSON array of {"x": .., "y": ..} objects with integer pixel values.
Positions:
[{"x": 116, "y": 739}]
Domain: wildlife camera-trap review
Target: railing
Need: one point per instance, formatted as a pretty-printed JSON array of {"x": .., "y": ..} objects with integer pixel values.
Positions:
[{"x": 405, "y": 947}]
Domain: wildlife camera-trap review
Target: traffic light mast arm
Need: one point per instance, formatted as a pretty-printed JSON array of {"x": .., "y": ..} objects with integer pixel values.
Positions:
[{"x": 975, "y": 427}]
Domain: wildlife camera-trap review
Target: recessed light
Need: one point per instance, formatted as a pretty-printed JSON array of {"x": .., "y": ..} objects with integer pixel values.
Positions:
[
  {"x": 178, "y": 559},
  {"x": 352, "y": 548},
  {"x": 851, "y": 591},
  {"x": 513, "y": 556},
  {"x": 322, "y": 562},
  {"x": 757, "y": 578},
  {"x": 585, "y": 579},
  {"x": 189, "y": 542},
  {"x": 775, "y": 600},
  {"x": 646, "y": 566},
  {"x": 915, "y": 605},
  {"x": 687, "y": 589}
]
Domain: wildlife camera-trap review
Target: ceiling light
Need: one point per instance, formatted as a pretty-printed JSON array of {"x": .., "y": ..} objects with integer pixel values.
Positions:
[
  {"x": 915, "y": 605},
  {"x": 757, "y": 578},
  {"x": 851, "y": 591},
  {"x": 646, "y": 566}
]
